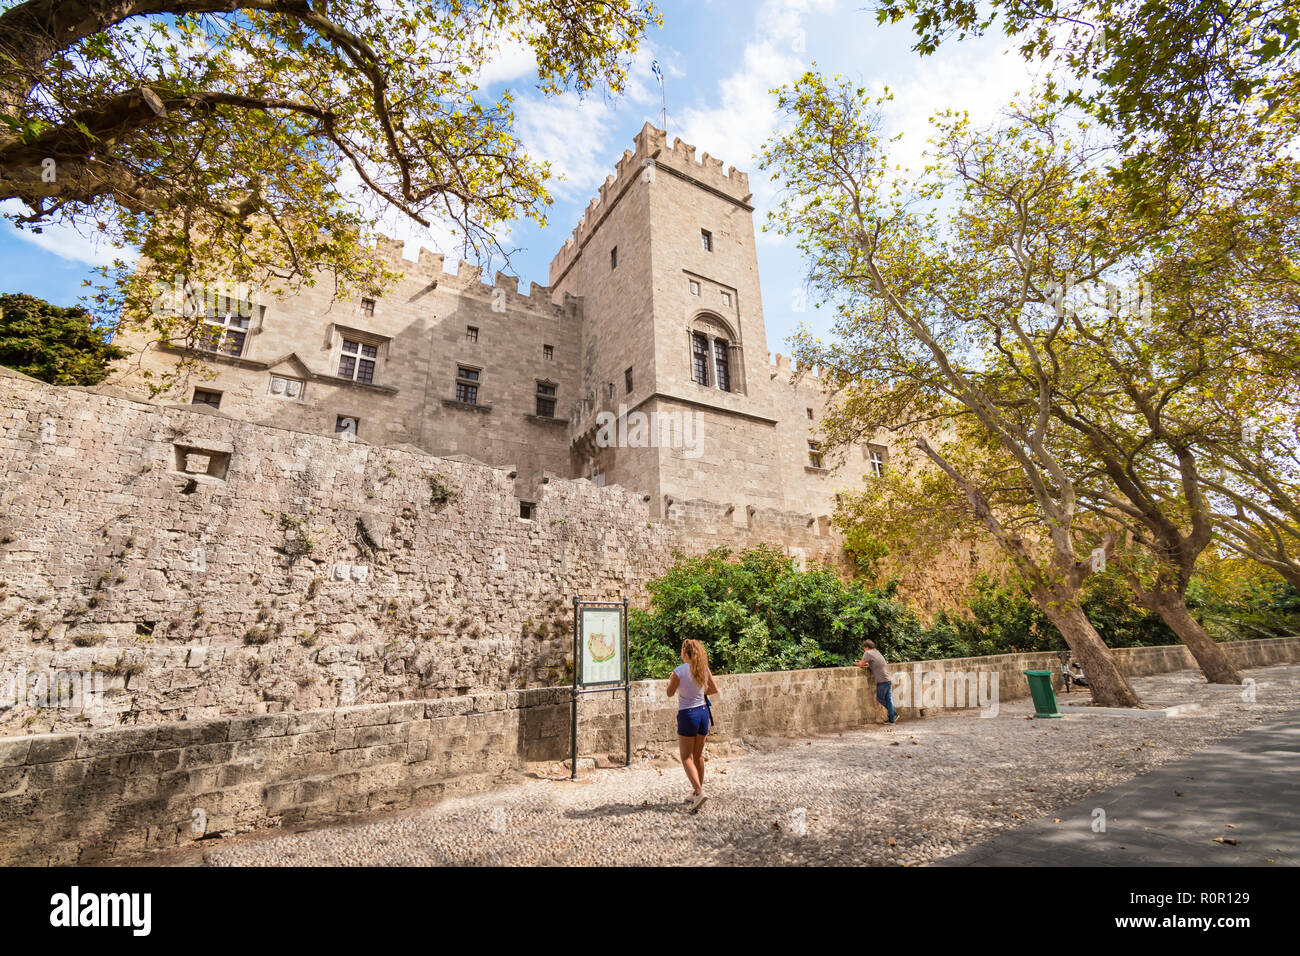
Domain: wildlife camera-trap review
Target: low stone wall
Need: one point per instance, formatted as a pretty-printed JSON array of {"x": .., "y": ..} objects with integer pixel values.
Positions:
[{"x": 98, "y": 794}]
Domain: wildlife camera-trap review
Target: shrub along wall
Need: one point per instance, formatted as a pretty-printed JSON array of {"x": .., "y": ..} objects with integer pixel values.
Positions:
[{"x": 98, "y": 794}]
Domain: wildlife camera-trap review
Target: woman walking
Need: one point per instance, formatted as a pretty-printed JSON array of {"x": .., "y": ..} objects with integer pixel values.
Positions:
[{"x": 694, "y": 680}]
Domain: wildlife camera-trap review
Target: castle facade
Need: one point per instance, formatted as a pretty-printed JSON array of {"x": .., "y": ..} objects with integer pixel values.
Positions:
[{"x": 644, "y": 363}]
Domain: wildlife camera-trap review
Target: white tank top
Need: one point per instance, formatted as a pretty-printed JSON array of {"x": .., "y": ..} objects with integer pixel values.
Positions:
[{"x": 689, "y": 693}]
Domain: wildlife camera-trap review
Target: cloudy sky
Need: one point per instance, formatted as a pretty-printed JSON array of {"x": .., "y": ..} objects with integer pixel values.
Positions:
[{"x": 720, "y": 59}]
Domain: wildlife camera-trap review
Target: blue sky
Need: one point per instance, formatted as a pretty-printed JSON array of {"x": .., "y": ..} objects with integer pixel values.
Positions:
[{"x": 719, "y": 59}]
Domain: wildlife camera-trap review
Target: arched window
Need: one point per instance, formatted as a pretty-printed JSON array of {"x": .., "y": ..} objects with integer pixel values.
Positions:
[
  {"x": 700, "y": 358},
  {"x": 715, "y": 355}
]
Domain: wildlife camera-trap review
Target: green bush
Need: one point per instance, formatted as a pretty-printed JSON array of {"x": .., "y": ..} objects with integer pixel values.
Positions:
[{"x": 757, "y": 611}]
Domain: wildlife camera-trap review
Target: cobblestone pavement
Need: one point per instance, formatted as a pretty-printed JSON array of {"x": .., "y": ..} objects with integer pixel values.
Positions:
[{"x": 912, "y": 794}]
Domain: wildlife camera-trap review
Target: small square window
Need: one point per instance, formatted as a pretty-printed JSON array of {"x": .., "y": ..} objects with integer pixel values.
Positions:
[
  {"x": 815, "y": 454},
  {"x": 202, "y": 397},
  {"x": 627, "y": 381},
  {"x": 368, "y": 306},
  {"x": 526, "y": 510},
  {"x": 471, "y": 333},
  {"x": 695, "y": 287},
  {"x": 347, "y": 426},
  {"x": 613, "y": 258},
  {"x": 706, "y": 240},
  {"x": 548, "y": 352}
]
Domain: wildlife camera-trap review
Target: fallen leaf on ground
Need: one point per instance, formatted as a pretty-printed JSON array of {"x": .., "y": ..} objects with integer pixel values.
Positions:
[{"x": 1228, "y": 840}]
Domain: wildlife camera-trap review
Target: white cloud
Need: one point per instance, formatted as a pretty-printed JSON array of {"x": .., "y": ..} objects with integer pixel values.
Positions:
[
  {"x": 512, "y": 60},
  {"x": 67, "y": 242},
  {"x": 746, "y": 116},
  {"x": 988, "y": 75}
]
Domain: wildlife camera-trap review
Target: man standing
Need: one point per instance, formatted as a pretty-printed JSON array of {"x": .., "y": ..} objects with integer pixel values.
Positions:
[{"x": 875, "y": 660}]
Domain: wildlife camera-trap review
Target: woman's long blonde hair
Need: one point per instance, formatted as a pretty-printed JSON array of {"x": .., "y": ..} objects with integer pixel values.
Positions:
[{"x": 697, "y": 660}]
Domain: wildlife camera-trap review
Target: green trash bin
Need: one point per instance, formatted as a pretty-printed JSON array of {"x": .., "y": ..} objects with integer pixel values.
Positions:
[{"x": 1040, "y": 686}]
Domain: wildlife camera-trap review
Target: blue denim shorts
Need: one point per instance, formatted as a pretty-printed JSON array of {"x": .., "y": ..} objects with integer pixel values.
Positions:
[{"x": 693, "y": 721}]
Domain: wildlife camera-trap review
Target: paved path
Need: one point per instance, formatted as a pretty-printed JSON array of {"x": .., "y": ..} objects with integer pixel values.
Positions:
[
  {"x": 917, "y": 793},
  {"x": 1247, "y": 790}
]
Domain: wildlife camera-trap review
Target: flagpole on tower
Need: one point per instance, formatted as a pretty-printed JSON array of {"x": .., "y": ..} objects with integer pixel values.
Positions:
[{"x": 663, "y": 100}]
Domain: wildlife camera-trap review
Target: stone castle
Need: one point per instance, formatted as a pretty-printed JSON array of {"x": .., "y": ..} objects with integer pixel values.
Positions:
[{"x": 644, "y": 363}]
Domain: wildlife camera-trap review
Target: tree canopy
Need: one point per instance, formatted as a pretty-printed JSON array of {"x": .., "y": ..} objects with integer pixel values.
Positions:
[
  {"x": 236, "y": 140},
  {"x": 62, "y": 346}
]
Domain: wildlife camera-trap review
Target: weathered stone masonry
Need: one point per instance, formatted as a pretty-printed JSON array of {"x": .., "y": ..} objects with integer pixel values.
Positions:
[
  {"x": 100, "y": 794},
  {"x": 205, "y": 566}
]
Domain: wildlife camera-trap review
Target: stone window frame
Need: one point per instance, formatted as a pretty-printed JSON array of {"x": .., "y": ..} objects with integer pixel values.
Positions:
[
  {"x": 548, "y": 353},
  {"x": 221, "y": 329},
  {"x": 359, "y": 372},
  {"x": 380, "y": 343},
  {"x": 466, "y": 382},
  {"x": 471, "y": 333},
  {"x": 816, "y": 455},
  {"x": 717, "y": 333},
  {"x": 368, "y": 307},
  {"x": 552, "y": 396},
  {"x": 877, "y": 458},
  {"x": 706, "y": 240},
  {"x": 355, "y": 431},
  {"x": 195, "y": 400}
]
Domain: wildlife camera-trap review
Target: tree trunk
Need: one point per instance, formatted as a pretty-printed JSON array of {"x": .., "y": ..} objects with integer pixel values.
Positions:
[
  {"x": 1109, "y": 687},
  {"x": 1210, "y": 656}
]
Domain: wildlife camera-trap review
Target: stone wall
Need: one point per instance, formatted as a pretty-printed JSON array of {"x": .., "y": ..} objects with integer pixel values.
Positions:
[
  {"x": 202, "y": 566},
  {"x": 97, "y": 794}
]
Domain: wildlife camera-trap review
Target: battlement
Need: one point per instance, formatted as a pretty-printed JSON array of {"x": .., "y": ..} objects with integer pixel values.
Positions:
[
  {"x": 468, "y": 280},
  {"x": 781, "y": 363},
  {"x": 651, "y": 153}
]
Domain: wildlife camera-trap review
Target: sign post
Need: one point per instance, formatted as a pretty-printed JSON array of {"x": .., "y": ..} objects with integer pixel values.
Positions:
[{"x": 600, "y": 662}]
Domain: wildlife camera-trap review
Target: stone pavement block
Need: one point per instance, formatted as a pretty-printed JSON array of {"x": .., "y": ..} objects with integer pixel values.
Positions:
[{"x": 48, "y": 747}]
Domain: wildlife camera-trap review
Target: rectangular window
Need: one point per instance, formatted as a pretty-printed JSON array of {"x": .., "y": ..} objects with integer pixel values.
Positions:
[
  {"x": 548, "y": 352},
  {"x": 877, "y": 457},
  {"x": 358, "y": 361},
  {"x": 202, "y": 397},
  {"x": 347, "y": 426},
  {"x": 815, "y": 454},
  {"x": 526, "y": 510},
  {"x": 700, "y": 358},
  {"x": 810, "y": 414},
  {"x": 545, "y": 400},
  {"x": 368, "y": 306},
  {"x": 471, "y": 333},
  {"x": 613, "y": 258},
  {"x": 706, "y": 240},
  {"x": 224, "y": 330},
  {"x": 695, "y": 287},
  {"x": 467, "y": 385},
  {"x": 722, "y": 369},
  {"x": 627, "y": 381}
]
